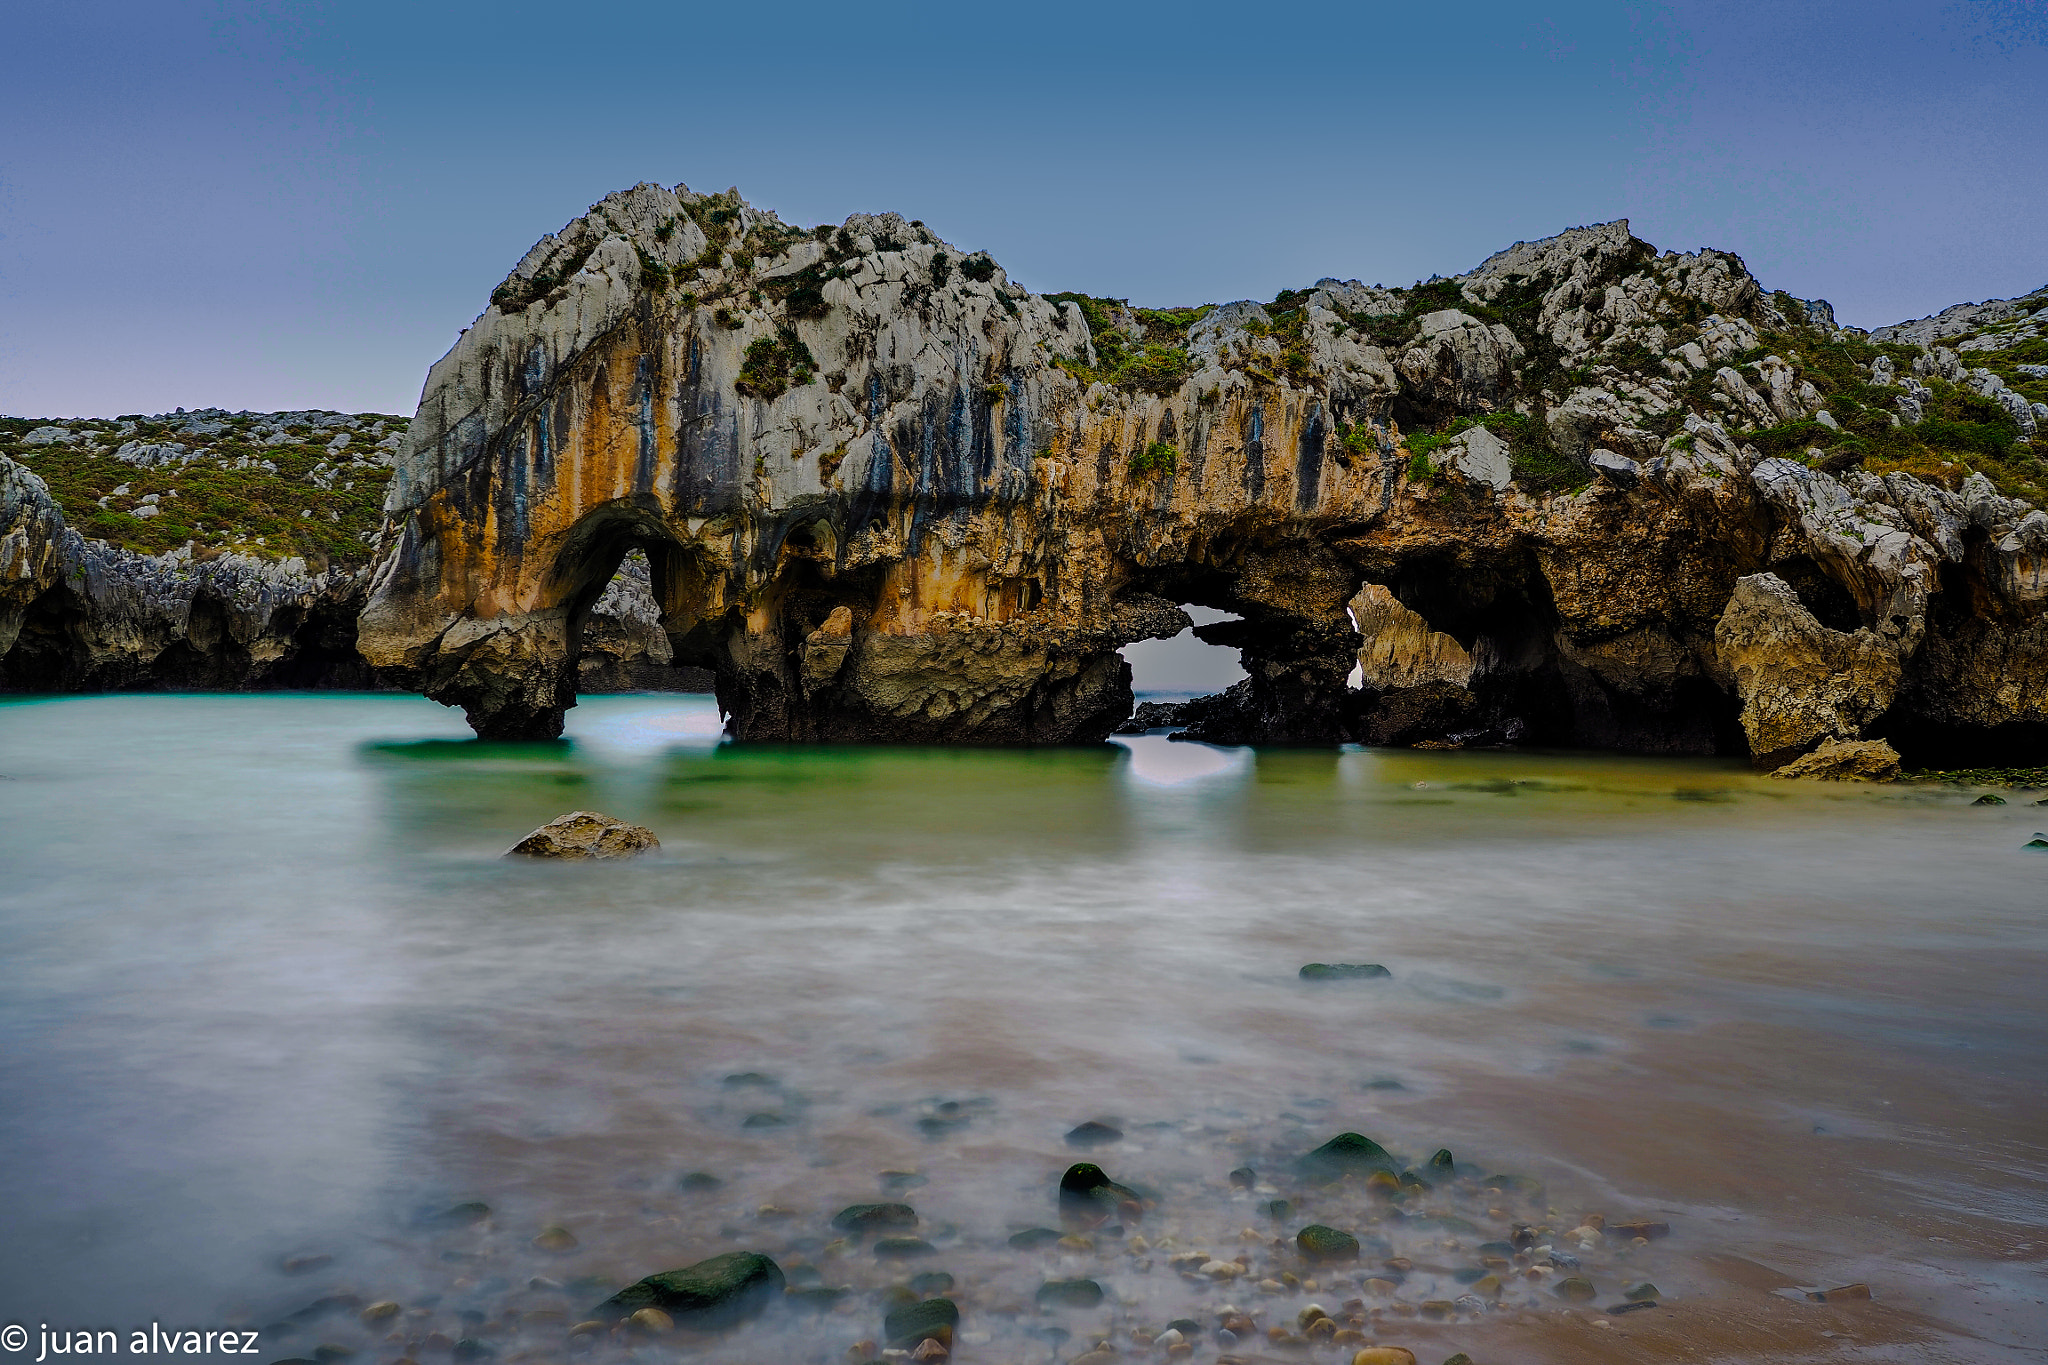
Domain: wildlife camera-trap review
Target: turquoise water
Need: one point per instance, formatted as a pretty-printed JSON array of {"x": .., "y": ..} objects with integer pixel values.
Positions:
[{"x": 272, "y": 992}]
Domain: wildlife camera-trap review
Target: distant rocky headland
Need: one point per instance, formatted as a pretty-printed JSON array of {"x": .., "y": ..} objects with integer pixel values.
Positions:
[
  {"x": 225, "y": 550},
  {"x": 1588, "y": 493}
]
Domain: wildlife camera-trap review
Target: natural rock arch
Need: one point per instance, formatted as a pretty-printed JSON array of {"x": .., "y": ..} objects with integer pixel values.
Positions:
[{"x": 889, "y": 495}]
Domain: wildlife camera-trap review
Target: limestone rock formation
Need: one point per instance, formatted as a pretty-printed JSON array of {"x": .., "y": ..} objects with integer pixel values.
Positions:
[
  {"x": 1851, "y": 760},
  {"x": 887, "y": 494},
  {"x": 586, "y": 834},
  {"x": 86, "y": 613}
]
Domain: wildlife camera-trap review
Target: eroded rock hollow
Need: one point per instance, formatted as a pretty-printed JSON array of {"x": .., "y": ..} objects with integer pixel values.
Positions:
[{"x": 885, "y": 494}]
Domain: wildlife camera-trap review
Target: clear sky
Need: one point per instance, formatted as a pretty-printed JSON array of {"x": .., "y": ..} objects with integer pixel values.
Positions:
[{"x": 270, "y": 206}]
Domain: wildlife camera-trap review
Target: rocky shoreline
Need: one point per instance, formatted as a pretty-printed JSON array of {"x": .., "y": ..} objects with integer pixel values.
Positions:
[{"x": 86, "y": 615}]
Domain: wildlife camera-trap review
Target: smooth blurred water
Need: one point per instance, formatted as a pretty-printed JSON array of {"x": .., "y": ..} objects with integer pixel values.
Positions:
[{"x": 270, "y": 989}]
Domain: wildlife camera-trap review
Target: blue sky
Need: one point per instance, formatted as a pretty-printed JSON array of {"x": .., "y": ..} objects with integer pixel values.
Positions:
[{"x": 265, "y": 205}]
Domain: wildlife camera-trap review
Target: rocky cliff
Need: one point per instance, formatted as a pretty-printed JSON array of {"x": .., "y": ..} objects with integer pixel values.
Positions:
[
  {"x": 1619, "y": 497},
  {"x": 221, "y": 551}
]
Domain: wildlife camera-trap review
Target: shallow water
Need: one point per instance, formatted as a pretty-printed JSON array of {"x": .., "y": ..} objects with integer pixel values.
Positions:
[{"x": 271, "y": 992}]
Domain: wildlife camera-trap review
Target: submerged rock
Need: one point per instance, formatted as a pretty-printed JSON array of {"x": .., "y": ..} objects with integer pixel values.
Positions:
[
  {"x": 929, "y": 1320},
  {"x": 1343, "y": 971},
  {"x": 1094, "y": 1134},
  {"x": 1347, "y": 1154},
  {"x": 1846, "y": 760},
  {"x": 1069, "y": 1294},
  {"x": 1088, "y": 1194},
  {"x": 1988, "y": 800},
  {"x": 869, "y": 1217},
  {"x": 1031, "y": 1239},
  {"x": 586, "y": 834},
  {"x": 1320, "y": 1243},
  {"x": 706, "y": 1296},
  {"x": 902, "y": 1248}
]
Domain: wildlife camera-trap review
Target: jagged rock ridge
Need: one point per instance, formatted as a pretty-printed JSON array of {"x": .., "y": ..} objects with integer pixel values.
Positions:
[
  {"x": 887, "y": 494},
  {"x": 183, "y": 562}
]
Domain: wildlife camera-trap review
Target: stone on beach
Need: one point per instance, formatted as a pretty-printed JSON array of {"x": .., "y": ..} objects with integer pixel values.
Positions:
[
  {"x": 1320, "y": 1243},
  {"x": 1347, "y": 1154},
  {"x": 586, "y": 834},
  {"x": 1343, "y": 971},
  {"x": 711, "y": 1294},
  {"x": 1846, "y": 760},
  {"x": 927, "y": 1320},
  {"x": 868, "y": 1217}
]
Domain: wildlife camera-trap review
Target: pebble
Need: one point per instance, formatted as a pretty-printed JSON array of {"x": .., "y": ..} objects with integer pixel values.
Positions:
[
  {"x": 1384, "y": 1355},
  {"x": 1637, "y": 1293},
  {"x": 1070, "y": 1293},
  {"x": 1988, "y": 800},
  {"x": 1094, "y": 1134},
  {"x": 556, "y": 1239},
  {"x": 652, "y": 1321},
  {"x": 1576, "y": 1289},
  {"x": 868, "y": 1217},
  {"x": 1320, "y": 1243},
  {"x": 895, "y": 1247},
  {"x": 379, "y": 1311}
]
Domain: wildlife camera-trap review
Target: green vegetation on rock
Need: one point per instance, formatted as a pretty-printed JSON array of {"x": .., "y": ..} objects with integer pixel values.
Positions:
[{"x": 272, "y": 485}]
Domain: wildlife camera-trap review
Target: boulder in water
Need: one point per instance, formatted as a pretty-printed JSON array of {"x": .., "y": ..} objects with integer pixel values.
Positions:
[
  {"x": 928, "y": 1320},
  {"x": 1320, "y": 1243},
  {"x": 869, "y": 1217},
  {"x": 1347, "y": 1154},
  {"x": 1343, "y": 971},
  {"x": 586, "y": 834},
  {"x": 1094, "y": 1134},
  {"x": 1846, "y": 760},
  {"x": 1069, "y": 1294},
  {"x": 704, "y": 1297},
  {"x": 1089, "y": 1195}
]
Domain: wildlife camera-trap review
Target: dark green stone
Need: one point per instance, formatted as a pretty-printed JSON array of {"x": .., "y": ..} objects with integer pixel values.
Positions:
[
  {"x": 1244, "y": 1177},
  {"x": 1320, "y": 1243},
  {"x": 869, "y": 1217},
  {"x": 897, "y": 1248},
  {"x": 1279, "y": 1208},
  {"x": 1069, "y": 1294},
  {"x": 710, "y": 1294},
  {"x": 1442, "y": 1164},
  {"x": 1085, "y": 1192},
  {"x": 1033, "y": 1238},
  {"x": 1347, "y": 1154},
  {"x": 916, "y": 1322},
  {"x": 1093, "y": 1134},
  {"x": 1343, "y": 971},
  {"x": 698, "y": 1181},
  {"x": 1988, "y": 800},
  {"x": 462, "y": 1215},
  {"x": 931, "y": 1284},
  {"x": 765, "y": 1121}
]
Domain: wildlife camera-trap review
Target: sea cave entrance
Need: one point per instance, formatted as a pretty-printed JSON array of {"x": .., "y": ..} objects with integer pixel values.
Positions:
[{"x": 1167, "y": 674}]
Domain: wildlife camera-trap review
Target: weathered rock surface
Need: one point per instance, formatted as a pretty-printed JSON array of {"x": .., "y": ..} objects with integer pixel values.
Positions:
[
  {"x": 79, "y": 615},
  {"x": 586, "y": 834},
  {"x": 1860, "y": 760},
  {"x": 885, "y": 494},
  {"x": 709, "y": 1295},
  {"x": 86, "y": 615}
]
